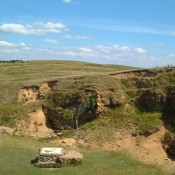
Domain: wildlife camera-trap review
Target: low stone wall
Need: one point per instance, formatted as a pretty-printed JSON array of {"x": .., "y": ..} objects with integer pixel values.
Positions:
[{"x": 53, "y": 161}]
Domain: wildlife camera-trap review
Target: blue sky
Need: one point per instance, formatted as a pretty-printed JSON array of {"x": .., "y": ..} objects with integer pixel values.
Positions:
[{"x": 129, "y": 32}]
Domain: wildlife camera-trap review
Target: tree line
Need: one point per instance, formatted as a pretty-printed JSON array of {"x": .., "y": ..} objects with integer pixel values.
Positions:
[{"x": 11, "y": 61}]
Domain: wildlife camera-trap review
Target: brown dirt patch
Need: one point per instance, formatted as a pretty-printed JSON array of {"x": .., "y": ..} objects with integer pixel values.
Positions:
[
  {"x": 39, "y": 126},
  {"x": 146, "y": 149},
  {"x": 30, "y": 94}
]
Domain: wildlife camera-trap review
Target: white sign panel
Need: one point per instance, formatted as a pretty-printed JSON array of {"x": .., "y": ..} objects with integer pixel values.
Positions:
[{"x": 51, "y": 151}]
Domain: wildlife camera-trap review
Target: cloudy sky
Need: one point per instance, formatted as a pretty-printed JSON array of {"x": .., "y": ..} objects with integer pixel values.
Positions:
[{"x": 129, "y": 32}]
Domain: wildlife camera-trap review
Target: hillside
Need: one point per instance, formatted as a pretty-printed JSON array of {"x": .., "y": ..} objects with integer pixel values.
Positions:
[
  {"x": 16, "y": 75},
  {"x": 92, "y": 106}
]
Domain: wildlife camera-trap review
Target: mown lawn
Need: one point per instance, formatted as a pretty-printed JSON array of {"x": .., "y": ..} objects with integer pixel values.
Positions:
[{"x": 17, "y": 152}]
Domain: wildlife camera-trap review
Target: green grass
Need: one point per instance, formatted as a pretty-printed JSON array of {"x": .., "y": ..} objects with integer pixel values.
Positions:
[
  {"x": 11, "y": 112},
  {"x": 15, "y": 75},
  {"x": 103, "y": 129},
  {"x": 17, "y": 152},
  {"x": 147, "y": 121}
]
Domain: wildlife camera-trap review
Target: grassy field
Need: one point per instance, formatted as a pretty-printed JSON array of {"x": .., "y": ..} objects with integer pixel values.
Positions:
[
  {"x": 15, "y": 75},
  {"x": 35, "y": 70},
  {"x": 17, "y": 152}
]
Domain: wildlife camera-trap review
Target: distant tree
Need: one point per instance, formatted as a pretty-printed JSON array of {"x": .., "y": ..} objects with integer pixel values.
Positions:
[{"x": 11, "y": 61}]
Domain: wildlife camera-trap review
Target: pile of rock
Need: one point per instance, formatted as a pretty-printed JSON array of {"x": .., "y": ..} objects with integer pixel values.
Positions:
[
  {"x": 64, "y": 158},
  {"x": 70, "y": 158}
]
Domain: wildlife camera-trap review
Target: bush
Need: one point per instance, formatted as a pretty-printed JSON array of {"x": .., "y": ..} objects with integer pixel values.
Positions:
[{"x": 68, "y": 114}]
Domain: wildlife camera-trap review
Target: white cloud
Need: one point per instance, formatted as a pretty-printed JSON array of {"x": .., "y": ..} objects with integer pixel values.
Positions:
[
  {"x": 76, "y": 37},
  {"x": 13, "y": 48},
  {"x": 26, "y": 48},
  {"x": 140, "y": 50},
  {"x": 111, "y": 54},
  {"x": 38, "y": 28},
  {"x": 68, "y": 53},
  {"x": 22, "y": 44},
  {"x": 121, "y": 48},
  {"x": 67, "y": 1},
  {"x": 51, "y": 41},
  {"x": 85, "y": 50},
  {"x": 6, "y": 44}
]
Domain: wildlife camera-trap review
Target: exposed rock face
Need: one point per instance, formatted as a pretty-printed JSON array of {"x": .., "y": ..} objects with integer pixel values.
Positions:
[
  {"x": 109, "y": 99},
  {"x": 30, "y": 94},
  {"x": 101, "y": 104},
  {"x": 151, "y": 100},
  {"x": 157, "y": 100},
  {"x": 53, "y": 161}
]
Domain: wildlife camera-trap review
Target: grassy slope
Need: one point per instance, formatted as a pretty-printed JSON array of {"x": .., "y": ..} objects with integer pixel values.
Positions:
[
  {"x": 16, "y": 154},
  {"x": 15, "y": 75}
]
